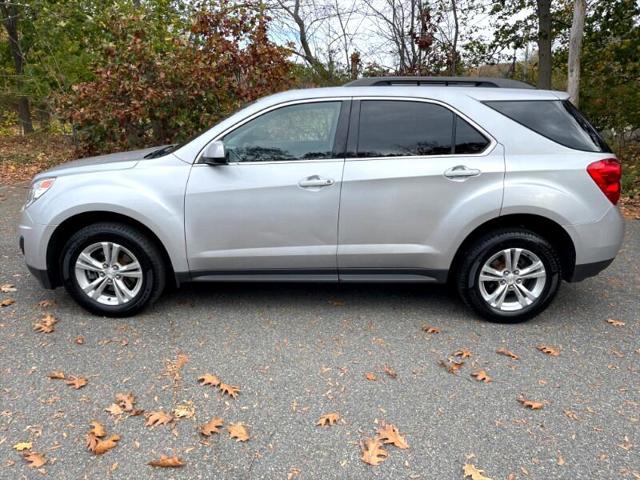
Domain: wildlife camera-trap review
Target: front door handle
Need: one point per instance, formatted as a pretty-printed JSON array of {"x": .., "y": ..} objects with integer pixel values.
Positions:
[
  {"x": 315, "y": 181},
  {"x": 460, "y": 172}
]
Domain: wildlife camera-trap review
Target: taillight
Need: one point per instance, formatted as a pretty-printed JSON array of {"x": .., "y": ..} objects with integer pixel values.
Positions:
[{"x": 607, "y": 174}]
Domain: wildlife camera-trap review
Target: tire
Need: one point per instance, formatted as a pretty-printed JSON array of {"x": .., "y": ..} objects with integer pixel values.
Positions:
[
  {"x": 488, "y": 253},
  {"x": 123, "y": 289}
]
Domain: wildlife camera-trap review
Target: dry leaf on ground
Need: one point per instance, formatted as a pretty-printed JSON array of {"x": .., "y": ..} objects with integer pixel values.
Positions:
[
  {"x": 167, "y": 462},
  {"x": 429, "y": 329},
  {"x": 46, "y": 303},
  {"x": 452, "y": 366},
  {"x": 184, "y": 410},
  {"x": 79, "y": 340},
  {"x": 114, "y": 409},
  {"x": 616, "y": 323},
  {"x": 7, "y": 288},
  {"x": 462, "y": 353},
  {"x": 56, "y": 375},
  {"x": 230, "y": 390},
  {"x": 6, "y": 302},
  {"x": 211, "y": 427},
  {"x": 470, "y": 470},
  {"x": 77, "y": 382},
  {"x": 372, "y": 452},
  {"x": 127, "y": 403},
  {"x": 328, "y": 419},
  {"x": 370, "y": 376},
  {"x": 97, "y": 429},
  {"x": 158, "y": 418},
  {"x": 36, "y": 460},
  {"x": 105, "y": 445},
  {"x": 533, "y": 405},
  {"x": 209, "y": 379},
  {"x": 46, "y": 324},
  {"x": 507, "y": 353},
  {"x": 390, "y": 371},
  {"x": 22, "y": 446},
  {"x": 549, "y": 350},
  {"x": 481, "y": 376},
  {"x": 390, "y": 434},
  {"x": 238, "y": 431}
]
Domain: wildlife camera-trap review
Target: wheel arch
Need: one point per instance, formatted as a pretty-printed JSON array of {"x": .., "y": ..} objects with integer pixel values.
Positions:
[
  {"x": 72, "y": 224},
  {"x": 552, "y": 231}
]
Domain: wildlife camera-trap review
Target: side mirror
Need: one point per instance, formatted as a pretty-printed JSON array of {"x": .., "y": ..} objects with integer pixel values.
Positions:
[{"x": 214, "y": 154}]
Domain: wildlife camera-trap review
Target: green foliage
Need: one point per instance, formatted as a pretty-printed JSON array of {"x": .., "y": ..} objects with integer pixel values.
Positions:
[{"x": 161, "y": 85}]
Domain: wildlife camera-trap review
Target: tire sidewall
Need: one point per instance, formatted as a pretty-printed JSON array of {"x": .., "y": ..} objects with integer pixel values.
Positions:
[
  {"x": 85, "y": 238},
  {"x": 530, "y": 242}
]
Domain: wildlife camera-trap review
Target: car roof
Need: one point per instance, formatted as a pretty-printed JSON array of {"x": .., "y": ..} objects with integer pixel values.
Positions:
[{"x": 427, "y": 92}]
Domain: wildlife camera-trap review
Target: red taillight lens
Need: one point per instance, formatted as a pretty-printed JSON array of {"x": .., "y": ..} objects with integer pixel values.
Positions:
[{"x": 607, "y": 174}]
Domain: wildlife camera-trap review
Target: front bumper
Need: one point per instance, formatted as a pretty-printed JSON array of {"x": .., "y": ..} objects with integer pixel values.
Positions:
[{"x": 33, "y": 241}]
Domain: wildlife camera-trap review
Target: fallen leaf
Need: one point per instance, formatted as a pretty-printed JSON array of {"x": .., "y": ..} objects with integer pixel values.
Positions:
[
  {"x": 22, "y": 446},
  {"x": 390, "y": 371},
  {"x": 390, "y": 434},
  {"x": 6, "y": 302},
  {"x": 616, "y": 323},
  {"x": 211, "y": 427},
  {"x": 185, "y": 410},
  {"x": 209, "y": 379},
  {"x": 77, "y": 382},
  {"x": 553, "y": 351},
  {"x": 167, "y": 462},
  {"x": 36, "y": 460},
  {"x": 507, "y": 353},
  {"x": 114, "y": 409},
  {"x": 46, "y": 303},
  {"x": 238, "y": 431},
  {"x": 230, "y": 390},
  {"x": 372, "y": 452},
  {"x": 126, "y": 401},
  {"x": 561, "y": 460},
  {"x": 571, "y": 414},
  {"x": 56, "y": 375},
  {"x": 470, "y": 470},
  {"x": 328, "y": 419},
  {"x": 97, "y": 429},
  {"x": 452, "y": 366},
  {"x": 46, "y": 324},
  {"x": 7, "y": 288},
  {"x": 431, "y": 330},
  {"x": 79, "y": 340},
  {"x": 626, "y": 445},
  {"x": 370, "y": 376},
  {"x": 158, "y": 418},
  {"x": 107, "y": 444},
  {"x": 462, "y": 353},
  {"x": 533, "y": 405},
  {"x": 481, "y": 376}
]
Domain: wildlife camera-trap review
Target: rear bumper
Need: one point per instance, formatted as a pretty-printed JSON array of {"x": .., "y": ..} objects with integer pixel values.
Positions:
[
  {"x": 586, "y": 270},
  {"x": 598, "y": 242}
]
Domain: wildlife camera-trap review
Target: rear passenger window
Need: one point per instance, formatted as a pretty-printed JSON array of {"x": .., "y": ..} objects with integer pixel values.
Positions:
[
  {"x": 394, "y": 128},
  {"x": 468, "y": 139},
  {"x": 391, "y": 128}
]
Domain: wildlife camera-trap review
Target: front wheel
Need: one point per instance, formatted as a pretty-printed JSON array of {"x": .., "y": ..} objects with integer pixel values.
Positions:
[
  {"x": 509, "y": 276},
  {"x": 112, "y": 269}
]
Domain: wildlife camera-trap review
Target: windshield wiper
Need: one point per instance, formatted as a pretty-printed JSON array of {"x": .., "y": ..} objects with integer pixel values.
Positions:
[{"x": 161, "y": 151}]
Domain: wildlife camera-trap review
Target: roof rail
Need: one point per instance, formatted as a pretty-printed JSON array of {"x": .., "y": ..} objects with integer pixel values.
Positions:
[{"x": 487, "y": 82}]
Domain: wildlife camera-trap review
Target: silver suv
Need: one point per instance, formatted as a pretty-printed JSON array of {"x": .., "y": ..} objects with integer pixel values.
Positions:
[{"x": 498, "y": 188}]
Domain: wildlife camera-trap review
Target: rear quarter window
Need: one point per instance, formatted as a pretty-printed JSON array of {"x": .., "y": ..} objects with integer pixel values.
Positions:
[{"x": 557, "y": 120}]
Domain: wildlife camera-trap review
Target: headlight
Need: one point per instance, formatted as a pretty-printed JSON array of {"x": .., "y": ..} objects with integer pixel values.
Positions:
[{"x": 38, "y": 189}]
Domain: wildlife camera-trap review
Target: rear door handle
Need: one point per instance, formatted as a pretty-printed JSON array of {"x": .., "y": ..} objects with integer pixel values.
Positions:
[
  {"x": 315, "y": 181},
  {"x": 460, "y": 172}
]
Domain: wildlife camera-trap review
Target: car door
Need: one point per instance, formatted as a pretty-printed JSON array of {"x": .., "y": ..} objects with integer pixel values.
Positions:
[
  {"x": 417, "y": 175},
  {"x": 272, "y": 211}
]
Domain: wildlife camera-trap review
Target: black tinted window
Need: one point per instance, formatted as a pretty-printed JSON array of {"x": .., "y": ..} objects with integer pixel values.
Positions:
[
  {"x": 297, "y": 132},
  {"x": 468, "y": 139},
  {"x": 557, "y": 120},
  {"x": 397, "y": 128}
]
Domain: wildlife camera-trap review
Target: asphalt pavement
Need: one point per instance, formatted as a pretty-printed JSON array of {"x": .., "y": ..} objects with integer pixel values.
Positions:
[{"x": 299, "y": 351}]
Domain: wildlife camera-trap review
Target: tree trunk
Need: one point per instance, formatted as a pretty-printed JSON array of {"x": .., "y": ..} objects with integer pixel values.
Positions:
[
  {"x": 544, "y": 44},
  {"x": 9, "y": 12},
  {"x": 453, "y": 66},
  {"x": 575, "y": 50}
]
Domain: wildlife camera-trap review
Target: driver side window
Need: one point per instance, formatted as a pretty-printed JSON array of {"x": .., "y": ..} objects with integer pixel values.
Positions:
[{"x": 296, "y": 132}]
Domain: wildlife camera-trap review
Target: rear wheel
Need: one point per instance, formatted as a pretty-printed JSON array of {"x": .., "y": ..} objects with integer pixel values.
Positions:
[
  {"x": 112, "y": 269},
  {"x": 509, "y": 275}
]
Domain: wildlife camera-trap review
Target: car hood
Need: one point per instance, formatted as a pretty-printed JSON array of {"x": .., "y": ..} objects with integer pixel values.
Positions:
[{"x": 100, "y": 163}]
